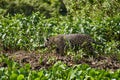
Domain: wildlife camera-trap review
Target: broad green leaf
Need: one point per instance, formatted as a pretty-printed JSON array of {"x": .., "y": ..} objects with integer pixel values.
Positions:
[{"x": 20, "y": 77}]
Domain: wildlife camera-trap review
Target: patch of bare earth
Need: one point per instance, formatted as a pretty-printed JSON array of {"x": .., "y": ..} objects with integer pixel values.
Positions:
[{"x": 38, "y": 61}]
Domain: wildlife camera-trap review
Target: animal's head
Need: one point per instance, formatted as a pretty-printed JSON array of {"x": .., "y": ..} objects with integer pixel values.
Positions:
[
  {"x": 48, "y": 42},
  {"x": 52, "y": 41}
]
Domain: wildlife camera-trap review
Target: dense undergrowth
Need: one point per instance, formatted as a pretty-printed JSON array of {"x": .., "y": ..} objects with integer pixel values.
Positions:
[
  {"x": 20, "y": 32},
  {"x": 59, "y": 70},
  {"x": 24, "y": 25}
]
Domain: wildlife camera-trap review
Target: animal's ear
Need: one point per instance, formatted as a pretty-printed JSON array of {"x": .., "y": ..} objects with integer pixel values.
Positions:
[{"x": 47, "y": 39}]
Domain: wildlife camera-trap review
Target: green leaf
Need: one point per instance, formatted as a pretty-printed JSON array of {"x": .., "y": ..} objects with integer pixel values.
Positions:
[
  {"x": 27, "y": 66},
  {"x": 37, "y": 79},
  {"x": 40, "y": 74},
  {"x": 1, "y": 60},
  {"x": 20, "y": 77},
  {"x": 13, "y": 76}
]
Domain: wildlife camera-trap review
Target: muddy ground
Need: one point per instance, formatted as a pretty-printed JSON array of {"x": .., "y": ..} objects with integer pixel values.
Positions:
[{"x": 37, "y": 60}]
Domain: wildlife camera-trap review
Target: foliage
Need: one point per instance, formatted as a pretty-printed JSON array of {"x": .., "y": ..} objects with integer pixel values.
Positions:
[
  {"x": 84, "y": 8},
  {"x": 20, "y": 32},
  {"x": 58, "y": 71},
  {"x": 98, "y": 18}
]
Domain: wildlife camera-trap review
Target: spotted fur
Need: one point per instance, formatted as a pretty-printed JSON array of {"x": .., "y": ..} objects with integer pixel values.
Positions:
[{"x": 75, "y": 41}]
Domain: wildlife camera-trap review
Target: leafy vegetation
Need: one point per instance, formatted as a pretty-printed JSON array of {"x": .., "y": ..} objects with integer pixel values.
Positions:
[
  {"x": 58, "y": 71},
  {"x": 20, "y": 32},
  {"x": 25, "y": 24}
]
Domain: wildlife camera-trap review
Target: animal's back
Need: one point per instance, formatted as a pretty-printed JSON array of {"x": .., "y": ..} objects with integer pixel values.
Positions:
[{"x": 78, "y": 38}]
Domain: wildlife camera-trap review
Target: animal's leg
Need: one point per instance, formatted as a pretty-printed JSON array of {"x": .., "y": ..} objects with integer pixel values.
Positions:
[{"x": 90, "y": 49}]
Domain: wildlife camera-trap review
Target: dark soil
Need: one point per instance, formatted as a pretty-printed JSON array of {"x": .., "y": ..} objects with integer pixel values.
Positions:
[{"x": 37, "y": 60}]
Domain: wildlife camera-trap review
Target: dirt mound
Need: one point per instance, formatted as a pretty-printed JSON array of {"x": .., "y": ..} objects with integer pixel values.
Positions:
[{"x": 38, "y": 61}]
